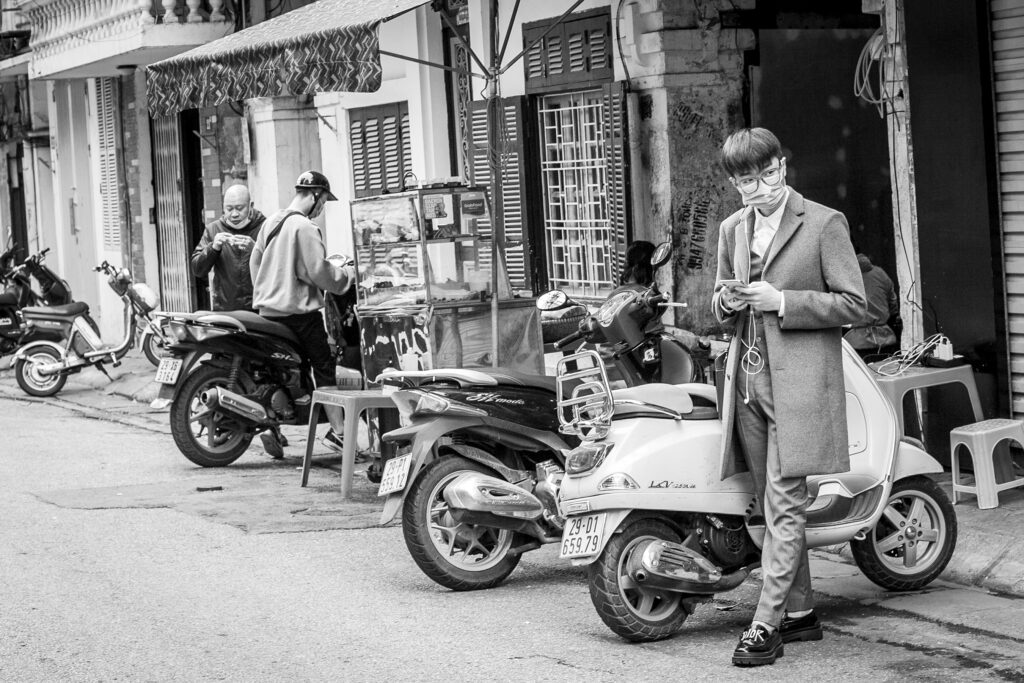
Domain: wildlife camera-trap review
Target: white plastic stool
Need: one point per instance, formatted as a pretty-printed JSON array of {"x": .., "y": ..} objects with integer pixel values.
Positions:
[
  {"x": 981, "y": 439},
  {"x": 352, "y": 404}
]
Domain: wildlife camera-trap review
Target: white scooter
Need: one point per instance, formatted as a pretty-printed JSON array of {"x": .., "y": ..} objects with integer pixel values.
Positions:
[
  {"x": 42, "y": 367},
  {"x": 647, "y": 512}
]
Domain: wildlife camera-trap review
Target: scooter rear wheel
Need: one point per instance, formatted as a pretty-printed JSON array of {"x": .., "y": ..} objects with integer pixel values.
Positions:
[
  {"x": 633, "y": 611},
  {"x": 29, "y": 379},
  {"x": 914, "y": 539},
  {"x": 153, "y": 348},
  {"x": 207, "y": 438},
  {"x": 462, "y": 557}
]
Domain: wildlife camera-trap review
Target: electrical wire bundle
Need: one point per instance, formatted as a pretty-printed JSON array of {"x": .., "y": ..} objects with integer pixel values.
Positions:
[{"x": 897, "y": 363}]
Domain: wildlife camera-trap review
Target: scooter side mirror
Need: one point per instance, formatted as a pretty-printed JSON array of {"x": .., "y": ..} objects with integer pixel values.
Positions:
[
  {"x": 549, "y": 301},
  {"x": 662, "y": 253}
]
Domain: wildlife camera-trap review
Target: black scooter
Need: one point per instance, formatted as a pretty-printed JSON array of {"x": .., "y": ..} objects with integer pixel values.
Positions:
[
  {"x": 19, "y": 293},
  {"x": 229, "y": 376},
  {"x": 503, "y": 424}
]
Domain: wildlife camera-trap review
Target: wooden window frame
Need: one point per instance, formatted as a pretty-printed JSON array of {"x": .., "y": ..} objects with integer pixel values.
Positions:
[
  {"x": 361, "y": 151},
  {"x": 600, "y": 18}
]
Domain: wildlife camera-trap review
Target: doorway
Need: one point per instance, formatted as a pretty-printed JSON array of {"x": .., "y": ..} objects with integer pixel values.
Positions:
[
  {"x": 16, "y": 194},
  {"x": 836, "y": 146}
]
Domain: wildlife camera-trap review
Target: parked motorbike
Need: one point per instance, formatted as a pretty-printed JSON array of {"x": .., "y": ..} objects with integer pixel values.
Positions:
[
  {"x": 18, "y": 292},
  {"x": 42, "y": 367},
  {"x": 229, "y": 376},
  {"x": 500, "y": 426},
  {"x": 647, "y": 512}
]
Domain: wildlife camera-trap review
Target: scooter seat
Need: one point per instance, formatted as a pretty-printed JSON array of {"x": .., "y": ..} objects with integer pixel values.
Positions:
[
  {"x": 636, "y": 401},
  {"x": 8, "y": 299},
  {"x": 63, "y": 311},
  {"x": 257, "y": 323},
  {"x": 521, "y": 379}
]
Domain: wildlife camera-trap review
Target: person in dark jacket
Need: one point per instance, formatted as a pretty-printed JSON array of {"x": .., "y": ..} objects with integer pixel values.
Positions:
[
  {"x": 876, "y": 334},
  {"x": 225, "y": 248},
  {"x": 638, "y": 273}
]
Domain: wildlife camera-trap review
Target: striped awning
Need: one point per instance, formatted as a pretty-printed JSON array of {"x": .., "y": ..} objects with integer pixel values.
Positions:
[{"x": 327, "y": 46}]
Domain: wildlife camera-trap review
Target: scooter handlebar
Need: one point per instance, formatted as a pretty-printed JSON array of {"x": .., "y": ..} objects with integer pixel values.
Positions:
[{"x": 565, "y": 341}]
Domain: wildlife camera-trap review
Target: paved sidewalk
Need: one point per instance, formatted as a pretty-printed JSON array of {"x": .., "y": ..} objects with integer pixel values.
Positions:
[{"x": 989, "y": 553}]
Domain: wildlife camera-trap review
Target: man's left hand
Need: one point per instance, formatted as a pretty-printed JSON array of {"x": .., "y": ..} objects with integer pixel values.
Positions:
[{"x": 760, "y": 296}]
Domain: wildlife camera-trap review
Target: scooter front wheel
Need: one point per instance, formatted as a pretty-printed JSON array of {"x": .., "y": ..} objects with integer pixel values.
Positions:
[
  {"x": 914, "y": 539},
  {"x": 209, "y": 438},
  {"x": 459, "y": 556},
  {"x": 26, "y": 371},
  {"x": 633, "y": 611}
]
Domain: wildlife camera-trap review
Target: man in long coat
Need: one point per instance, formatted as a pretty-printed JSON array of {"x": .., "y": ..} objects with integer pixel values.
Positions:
[{"x": 788, "y": 279}]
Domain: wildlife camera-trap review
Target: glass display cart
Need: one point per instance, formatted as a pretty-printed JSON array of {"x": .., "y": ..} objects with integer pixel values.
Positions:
[{"x": 429, "y": 294}]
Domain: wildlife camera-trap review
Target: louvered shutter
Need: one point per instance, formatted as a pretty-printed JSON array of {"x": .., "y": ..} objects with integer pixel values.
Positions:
[
  {"x": 576, "y": 52},
  {"x": 106, "y": 121},
  {"x": 381, "y": 148},
  {"x": 1007, "y": 18},
  {"x": 177, "y": 286},
  {"x": 513, "y": 182},
  {"x": 617, "y": 173}
]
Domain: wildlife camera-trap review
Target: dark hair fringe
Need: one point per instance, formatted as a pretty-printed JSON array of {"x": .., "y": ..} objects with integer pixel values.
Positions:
[{"x": 748, "y": 150}]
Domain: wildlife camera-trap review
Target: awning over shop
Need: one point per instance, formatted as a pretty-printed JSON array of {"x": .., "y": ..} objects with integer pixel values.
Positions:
[{"x": 328, "y": 46}]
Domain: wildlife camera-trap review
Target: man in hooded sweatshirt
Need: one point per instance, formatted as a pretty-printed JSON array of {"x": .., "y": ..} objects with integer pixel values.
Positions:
[{"x": 225, "y": 248}]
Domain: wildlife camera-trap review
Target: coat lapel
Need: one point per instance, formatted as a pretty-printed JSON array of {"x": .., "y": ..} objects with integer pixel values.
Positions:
[
  {"x": 741, "y": 254},
  {"x": 792, "y": 219}
]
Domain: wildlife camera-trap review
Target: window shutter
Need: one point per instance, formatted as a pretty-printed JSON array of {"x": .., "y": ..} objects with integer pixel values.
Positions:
[
  {"x": 106, "y": 120},
  {"x": 617, "y": 164},
  {"x": 576, "y": 52},
  {"x": 513, "y": 182},
  {"x": 381, "y": 148}
]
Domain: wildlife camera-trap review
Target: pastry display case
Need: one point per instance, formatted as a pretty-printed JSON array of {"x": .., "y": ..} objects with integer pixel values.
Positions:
[{"x": 430, "y": 290}]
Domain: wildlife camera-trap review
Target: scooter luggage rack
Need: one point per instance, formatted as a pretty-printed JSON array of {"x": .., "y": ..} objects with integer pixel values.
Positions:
[{"x": 585, "y": 404}]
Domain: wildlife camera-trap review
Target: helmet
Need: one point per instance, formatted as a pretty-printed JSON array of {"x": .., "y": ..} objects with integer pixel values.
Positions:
[{"x": 315, "y": 180}]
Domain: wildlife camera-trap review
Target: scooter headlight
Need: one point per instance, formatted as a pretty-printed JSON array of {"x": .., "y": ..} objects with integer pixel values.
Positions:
[
  {"x": 619, "y": 481},
  {"x": 178, "y": 330},
  {"x": 586, "y": 457},
  {"x": 412, "y": 402},
  {"x": 202, "y": 333}
]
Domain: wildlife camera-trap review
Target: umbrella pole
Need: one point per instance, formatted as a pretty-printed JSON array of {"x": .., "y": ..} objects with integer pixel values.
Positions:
[{"x": 497, "y": 199}]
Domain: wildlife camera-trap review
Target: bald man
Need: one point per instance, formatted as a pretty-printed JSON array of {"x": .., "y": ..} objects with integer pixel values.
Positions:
[{"x": 225, "y": 248}]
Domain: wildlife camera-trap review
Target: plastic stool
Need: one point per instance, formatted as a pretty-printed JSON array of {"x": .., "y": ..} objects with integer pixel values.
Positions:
[
  {"x": 981, "y": 439},
  {"x": 352, "y": 404}
]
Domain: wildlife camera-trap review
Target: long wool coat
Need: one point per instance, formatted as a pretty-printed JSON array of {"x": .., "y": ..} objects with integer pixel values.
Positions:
[{"x": 812, "y": 261}]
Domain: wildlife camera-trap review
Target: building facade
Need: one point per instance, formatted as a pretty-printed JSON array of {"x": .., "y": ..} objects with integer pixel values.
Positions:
[{"x": 612, "y": 113}]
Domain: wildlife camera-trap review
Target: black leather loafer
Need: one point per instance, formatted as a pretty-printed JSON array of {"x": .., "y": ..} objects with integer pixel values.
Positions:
[
  {"x": 806, "y": 627},
  {"x": 758, "y": 646}
]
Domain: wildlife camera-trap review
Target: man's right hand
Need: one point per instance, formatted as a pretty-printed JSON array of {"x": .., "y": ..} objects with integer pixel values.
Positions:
[{"x": 220, "y": 239}]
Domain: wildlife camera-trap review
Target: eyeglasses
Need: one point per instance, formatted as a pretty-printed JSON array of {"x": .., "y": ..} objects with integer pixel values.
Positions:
[{"x": 770, "y": 177}]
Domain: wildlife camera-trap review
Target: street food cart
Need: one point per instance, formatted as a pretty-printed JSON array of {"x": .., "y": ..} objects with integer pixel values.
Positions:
[{"x": 432, "y": 289}]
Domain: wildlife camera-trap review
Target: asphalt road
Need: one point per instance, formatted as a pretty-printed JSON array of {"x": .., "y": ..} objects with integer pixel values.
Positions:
[{"x": 116, "y": 566}]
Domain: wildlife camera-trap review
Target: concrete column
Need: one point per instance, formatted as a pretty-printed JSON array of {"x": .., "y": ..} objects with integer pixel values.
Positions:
[
  {"x": 285, "y": 142},
  {"x": 687, "y": 77},
  {"x": 144, "y": 200}
]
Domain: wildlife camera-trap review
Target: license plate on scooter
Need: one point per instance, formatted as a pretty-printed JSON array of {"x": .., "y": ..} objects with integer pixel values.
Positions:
[
  {"x": 395, "y": 475},
  {"x": 168, "y": 371},
  {"x": 582, "y": 535}
]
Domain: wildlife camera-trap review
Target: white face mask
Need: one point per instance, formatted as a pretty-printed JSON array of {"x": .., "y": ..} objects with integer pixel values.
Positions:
[{"x": 765, "y": 197}]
